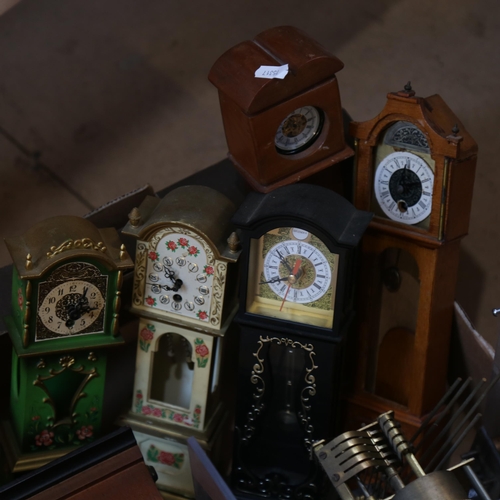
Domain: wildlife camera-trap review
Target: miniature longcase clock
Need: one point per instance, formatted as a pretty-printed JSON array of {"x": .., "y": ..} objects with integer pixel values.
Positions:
[
  {"x": 415, "y": 166},
  {"x": 184, "y": 296},
  {"x": 281, "y": 130},
  {"x": 296, "y": 311},
  {"x": 67, "y": 276}
]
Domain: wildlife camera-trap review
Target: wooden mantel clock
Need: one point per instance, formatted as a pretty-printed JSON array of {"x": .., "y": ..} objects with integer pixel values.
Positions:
[
  {"x": 415, "y": 166},
  {"x": 67, "y": 276},
  {"x": 296, "y": 310},
  {"x": 184, "y": 296},
  {"x": 281, "y": 130}
]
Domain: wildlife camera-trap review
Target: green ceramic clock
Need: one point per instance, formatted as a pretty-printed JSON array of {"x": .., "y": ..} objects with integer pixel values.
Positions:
[{"x": 67, "y": 276}]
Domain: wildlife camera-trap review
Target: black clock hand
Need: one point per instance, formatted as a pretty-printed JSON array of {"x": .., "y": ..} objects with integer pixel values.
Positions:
[
  {"x": 170, "y": 274},
  {"x": 283, "y": 261},
  {"x": 75, "y": 311},
  {"x": 276, "y": 279}
]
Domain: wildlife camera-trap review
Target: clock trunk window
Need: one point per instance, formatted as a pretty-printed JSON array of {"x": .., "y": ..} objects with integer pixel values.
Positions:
[
  {"x": 299, "y": 130},
  {"x": 173, "y": 371},
  {"x": 390, "y": 362},
  {"x": 280, "y": 418},
  {"x": 292, "y": 276}
]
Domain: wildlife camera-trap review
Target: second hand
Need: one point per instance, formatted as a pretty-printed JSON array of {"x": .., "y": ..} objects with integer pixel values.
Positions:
[{"x": 295, "y": 270}]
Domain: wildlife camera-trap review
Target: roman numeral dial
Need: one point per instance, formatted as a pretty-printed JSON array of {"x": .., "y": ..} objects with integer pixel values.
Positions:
[
  {"x": 403, "y": 187},
  {"x": 308, "y": 283}
]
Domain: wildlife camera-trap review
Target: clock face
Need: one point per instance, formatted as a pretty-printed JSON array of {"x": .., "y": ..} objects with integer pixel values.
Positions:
[
  {"x": 71, "y": 302},
  {"x": 403, "y": 187},
  {"x": 293, "y": 277},
  {"x": 179, "y": 277},
  {"x": 299, "y": 130}
]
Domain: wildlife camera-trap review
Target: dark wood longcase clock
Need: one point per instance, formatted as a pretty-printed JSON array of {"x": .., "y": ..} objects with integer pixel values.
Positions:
[
  {"x": 296, "y": 310},
  {"x": 415, "y": 166}
]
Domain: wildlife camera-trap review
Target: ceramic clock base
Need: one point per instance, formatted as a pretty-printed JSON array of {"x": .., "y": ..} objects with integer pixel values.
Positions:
[
  {"x": 164, "y": 447},
  {"x": 19, "y": 461}
]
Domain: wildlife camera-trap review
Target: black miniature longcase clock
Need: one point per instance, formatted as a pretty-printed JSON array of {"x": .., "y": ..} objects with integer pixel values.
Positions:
[
  {"x": 296, "y": 309},
  {"x": 67, "y": 276}
]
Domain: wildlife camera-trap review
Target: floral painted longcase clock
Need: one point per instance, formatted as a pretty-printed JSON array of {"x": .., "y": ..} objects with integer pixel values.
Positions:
[
  {"x": 415, "y": 166},
  {"x": 296, "y": 314},
  {"x": 67, "y": 276},
  {"x": 184, "y": 295}
]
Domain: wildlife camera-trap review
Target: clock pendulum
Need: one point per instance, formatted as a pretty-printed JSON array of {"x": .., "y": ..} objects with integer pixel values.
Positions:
[
  {"x": 415, "y": 166},
  {"x": 184, "y": 297},
  {"x": 279, "y": 131},
  {"x": 67, "y": 276},
  {"x": 295, "y": 315}
]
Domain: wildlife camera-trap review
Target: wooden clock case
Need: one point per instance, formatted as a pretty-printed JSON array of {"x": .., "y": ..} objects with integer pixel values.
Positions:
[
  {"x": 407, "y": 373},
  {"x": 253, "y": 108}
]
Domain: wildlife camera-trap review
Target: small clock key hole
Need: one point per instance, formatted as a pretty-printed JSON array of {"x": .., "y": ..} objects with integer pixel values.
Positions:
[
  {"x": 177, "y": 298},
  {"x": 403, "y": 206}
]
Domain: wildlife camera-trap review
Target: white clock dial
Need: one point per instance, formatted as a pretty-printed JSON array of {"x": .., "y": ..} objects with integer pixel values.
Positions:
[
  {"x": 71, "y": 307},
  {"x": 298, "y": 130},
  {"x": 403, "y": 187},
  {"x": 309, "y": 267},
  {"x": 179, "y": 277}
]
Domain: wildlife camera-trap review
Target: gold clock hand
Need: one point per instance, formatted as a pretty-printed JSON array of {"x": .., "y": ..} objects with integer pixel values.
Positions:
[{"x": 292, "y": 279}]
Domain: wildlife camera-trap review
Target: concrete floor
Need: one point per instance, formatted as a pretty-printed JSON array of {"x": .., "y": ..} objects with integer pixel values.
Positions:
[{"x": 114, "y": 95}]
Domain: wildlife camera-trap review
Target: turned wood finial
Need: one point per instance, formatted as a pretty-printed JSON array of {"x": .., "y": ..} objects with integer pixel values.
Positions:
[
  {"x": 29, "y": 263},
  {"x": 407, "y": 91},
  {"x": 455, "y": 130},
  {"x": 134, "y": 217},
  {"x": 234, "y": 242}
]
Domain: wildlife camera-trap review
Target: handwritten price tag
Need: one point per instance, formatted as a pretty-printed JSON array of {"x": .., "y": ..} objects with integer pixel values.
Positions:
[{"x": 272, "y": 72}]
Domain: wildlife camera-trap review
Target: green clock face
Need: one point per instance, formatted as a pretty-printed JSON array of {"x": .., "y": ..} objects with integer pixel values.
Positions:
[
  {"x": 293, "y": 277},
  {"x": 71, "y": 302}
]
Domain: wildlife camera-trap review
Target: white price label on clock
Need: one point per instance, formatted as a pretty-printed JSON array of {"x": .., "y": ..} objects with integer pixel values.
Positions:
[{"x": 272, "y": 72}]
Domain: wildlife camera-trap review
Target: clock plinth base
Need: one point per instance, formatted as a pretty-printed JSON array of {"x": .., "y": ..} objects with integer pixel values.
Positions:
[
  {"x": 164, "y": 446},
  {"x": 18, "y": 461},
  {"x": 342, "y": 155},
  {"x": 364, "y": 408}
]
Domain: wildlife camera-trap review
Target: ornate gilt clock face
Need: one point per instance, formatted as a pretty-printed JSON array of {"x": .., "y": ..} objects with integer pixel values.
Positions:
[
  {"x": 179, "y": 276},
  {"x": 292, "y": 276},
  {"x": 71, "y": 302},
  {"x": 298, "y": 130}
]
